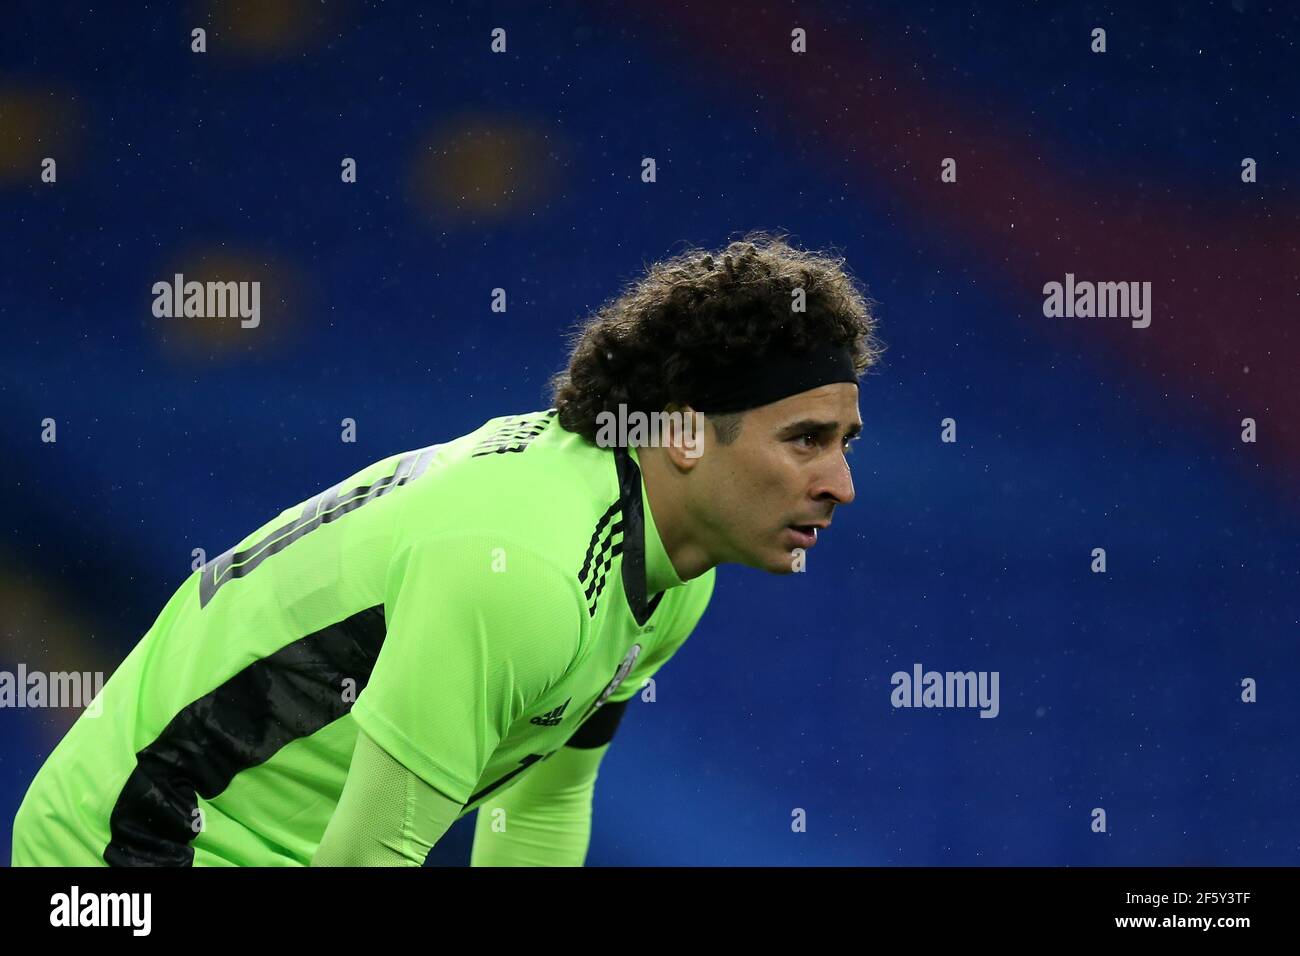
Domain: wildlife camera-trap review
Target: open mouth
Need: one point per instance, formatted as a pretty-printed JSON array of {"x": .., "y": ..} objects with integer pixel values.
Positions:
[{"x": 805, "y": 534}]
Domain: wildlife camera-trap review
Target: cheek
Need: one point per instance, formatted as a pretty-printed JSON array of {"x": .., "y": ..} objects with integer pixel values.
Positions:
[
  {"x": 767, "y": 503},
  {"x": 778, "y": 485},
  {"x": 752, "y": 496}
]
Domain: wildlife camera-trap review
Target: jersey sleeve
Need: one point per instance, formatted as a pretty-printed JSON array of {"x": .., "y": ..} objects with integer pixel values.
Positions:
[
  {"x": 545, "y": 819},
  {"x": 683, "y": 625},
  {"x": 386, "y": 815},
  {"x": 479, "y": 627}
]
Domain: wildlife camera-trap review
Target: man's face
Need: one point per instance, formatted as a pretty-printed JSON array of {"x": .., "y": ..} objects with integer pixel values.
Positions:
[{"x": 787, "y": 467}]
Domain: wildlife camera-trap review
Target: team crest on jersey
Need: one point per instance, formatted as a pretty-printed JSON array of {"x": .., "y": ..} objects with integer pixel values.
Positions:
[{"x": 619, "y": 675}]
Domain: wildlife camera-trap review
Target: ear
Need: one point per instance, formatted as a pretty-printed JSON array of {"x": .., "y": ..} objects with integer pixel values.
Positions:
[{"x": 684, "y": 436}]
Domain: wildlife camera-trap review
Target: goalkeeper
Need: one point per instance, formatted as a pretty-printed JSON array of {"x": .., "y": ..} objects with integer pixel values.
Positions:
[{"x": 461, "y": 627}]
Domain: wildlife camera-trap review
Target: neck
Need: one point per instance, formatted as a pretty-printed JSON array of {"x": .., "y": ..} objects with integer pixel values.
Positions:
[{"x": 666, "y": 502}]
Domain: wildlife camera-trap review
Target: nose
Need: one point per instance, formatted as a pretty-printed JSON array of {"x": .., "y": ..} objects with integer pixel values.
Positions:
[{"x": 837, "y": 484}]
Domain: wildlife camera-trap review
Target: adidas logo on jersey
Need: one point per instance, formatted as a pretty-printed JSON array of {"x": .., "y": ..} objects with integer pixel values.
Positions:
[{"x": 551, "y": 717}]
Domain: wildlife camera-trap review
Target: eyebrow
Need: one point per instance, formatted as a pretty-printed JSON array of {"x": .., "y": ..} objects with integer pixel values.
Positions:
[{"x": 819, "y": 428}]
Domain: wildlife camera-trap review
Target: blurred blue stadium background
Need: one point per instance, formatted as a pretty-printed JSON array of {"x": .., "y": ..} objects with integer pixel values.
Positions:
[{"x": 522, "y": 171}]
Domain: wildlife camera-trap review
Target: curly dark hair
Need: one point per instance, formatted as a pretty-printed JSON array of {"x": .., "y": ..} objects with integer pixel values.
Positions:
[{"x": 648, "y": 348}]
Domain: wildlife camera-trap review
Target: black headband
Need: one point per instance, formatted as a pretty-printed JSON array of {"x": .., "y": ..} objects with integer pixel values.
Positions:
[{"x": 772, "y": 377}]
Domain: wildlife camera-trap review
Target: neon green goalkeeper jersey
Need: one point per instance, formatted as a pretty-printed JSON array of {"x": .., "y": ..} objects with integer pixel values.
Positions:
[{"x": 470, "y": 605}]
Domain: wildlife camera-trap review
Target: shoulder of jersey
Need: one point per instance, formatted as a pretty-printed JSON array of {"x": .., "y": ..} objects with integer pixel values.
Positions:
[{"x": 525, "y": 476}]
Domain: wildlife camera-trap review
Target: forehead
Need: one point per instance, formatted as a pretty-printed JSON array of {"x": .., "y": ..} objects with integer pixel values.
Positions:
[{"x": 835, "y": 403}]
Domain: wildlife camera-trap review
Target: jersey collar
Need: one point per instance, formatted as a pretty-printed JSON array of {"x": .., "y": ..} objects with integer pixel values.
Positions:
[{"x": 645, "y": 562}]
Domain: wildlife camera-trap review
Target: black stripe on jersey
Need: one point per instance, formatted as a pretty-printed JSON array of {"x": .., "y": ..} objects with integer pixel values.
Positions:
[
  {"x": 631, "y": 525},
  {"x": 634, "y": 581},
  {"x": 596, "y": 564},
  {"x": 596, "y": 536},
  {"x": 327, "y": 506},
  {"x": 598, "y": 585},
  {"x": 598, "y": 729},
  {"x": 243, "y": 723},
  {"x": 515, "y": 434},
  {"x": 605, "y": 556},
  {"x": 525, "y": 763}
]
